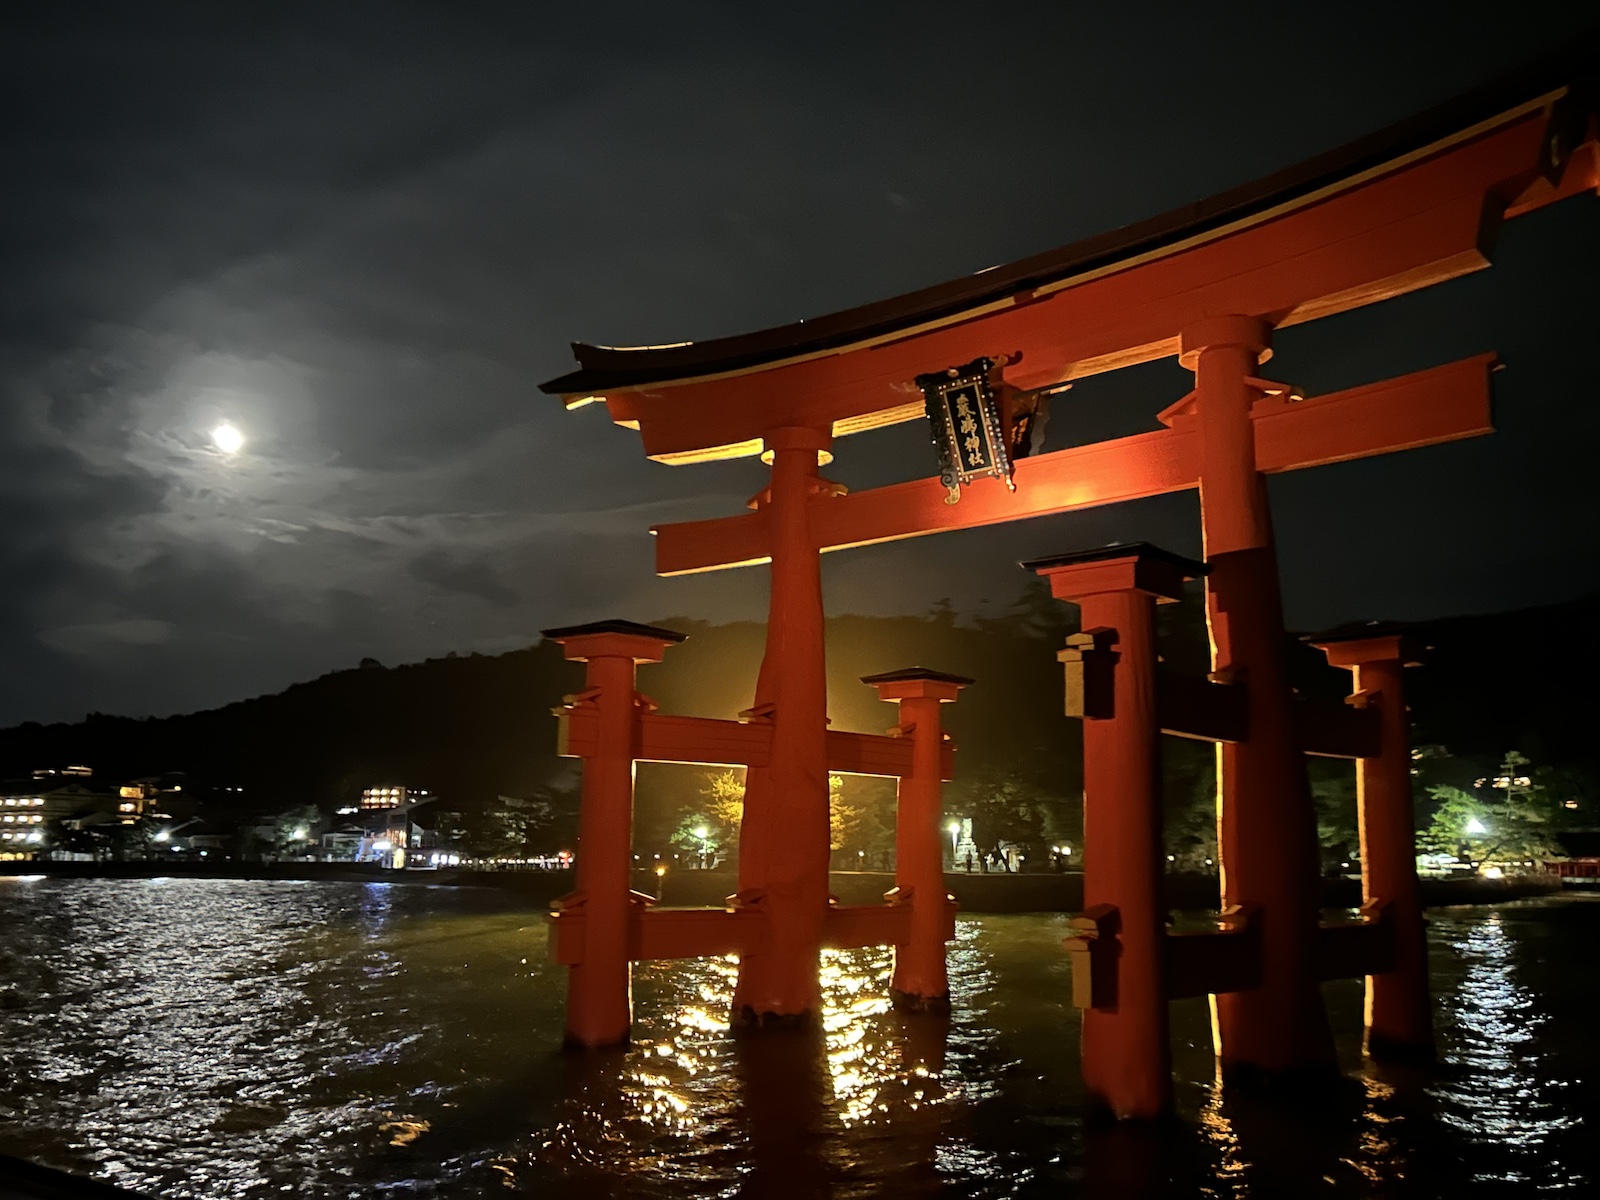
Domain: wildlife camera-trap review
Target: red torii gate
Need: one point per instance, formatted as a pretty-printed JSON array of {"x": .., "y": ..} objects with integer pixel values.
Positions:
[{"x": 1413, "y": 206}]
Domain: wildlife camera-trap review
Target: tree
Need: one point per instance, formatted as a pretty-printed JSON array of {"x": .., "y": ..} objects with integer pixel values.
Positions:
[
  {"x": 1333, "y": 793},
  {"x": 1506, "y": 818},
  {"x": 1007, "y": 806},
  {"x": 1189, "y": 804},
  {"x": 517, "y": 826},
  {"x": 709, "y": 829},
  {"x": 296, "y": 828}
]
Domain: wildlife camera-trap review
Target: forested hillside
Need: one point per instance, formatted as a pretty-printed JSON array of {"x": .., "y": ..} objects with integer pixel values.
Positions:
[{"x": 474, "y": 727}]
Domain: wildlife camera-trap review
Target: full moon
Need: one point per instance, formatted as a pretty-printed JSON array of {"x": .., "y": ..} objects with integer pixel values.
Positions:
[{"x": 227, "y": 439}]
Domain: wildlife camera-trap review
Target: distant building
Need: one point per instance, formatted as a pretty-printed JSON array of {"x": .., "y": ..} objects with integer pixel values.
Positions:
[
  {"x": 417, "y": 835},
  {"x": 1579, "y": 860},
  {"x": 63, "y": 772},
  {"x": 375, "y": 799},
  {"x": 29, "y": 806}
]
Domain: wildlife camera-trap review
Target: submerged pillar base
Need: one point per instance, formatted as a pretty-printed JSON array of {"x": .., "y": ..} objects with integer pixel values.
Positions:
[
  {"x": 747, "y": 1019},
  {"x": 911, "y": 1002}
]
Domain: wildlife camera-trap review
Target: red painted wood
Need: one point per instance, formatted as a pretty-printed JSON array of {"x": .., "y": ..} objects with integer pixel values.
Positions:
[
  {"x": 1442, "y": 404},
  {"x": 1399, "y": 1014},
  {"x": 711, "y": 742},
  {"x": 599, "y": 995},
  {"x": 783, "y": 851}
]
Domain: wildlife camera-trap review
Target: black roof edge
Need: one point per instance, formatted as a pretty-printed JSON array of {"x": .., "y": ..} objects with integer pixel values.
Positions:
[
  {"x": 908, "y": 674},
  {"x": 601, "y": 368},
  {"x": 1355, "y": 631},
  {"x": 1189, "y": 566},
  {"x": 615, "y": 626}
]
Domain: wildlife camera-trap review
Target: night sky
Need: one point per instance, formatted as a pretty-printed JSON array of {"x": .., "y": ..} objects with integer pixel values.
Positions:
[{"x": 363, "y": 233}]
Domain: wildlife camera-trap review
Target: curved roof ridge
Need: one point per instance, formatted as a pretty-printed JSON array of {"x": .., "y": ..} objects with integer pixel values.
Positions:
[{"x": 607, "y": 368}]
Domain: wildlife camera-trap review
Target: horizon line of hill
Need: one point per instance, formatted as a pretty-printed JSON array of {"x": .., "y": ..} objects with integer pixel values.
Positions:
[{"x": 472, "y": 726}]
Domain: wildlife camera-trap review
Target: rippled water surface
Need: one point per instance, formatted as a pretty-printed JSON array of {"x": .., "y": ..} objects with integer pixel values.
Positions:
[{"x": 211, "y": 1038}]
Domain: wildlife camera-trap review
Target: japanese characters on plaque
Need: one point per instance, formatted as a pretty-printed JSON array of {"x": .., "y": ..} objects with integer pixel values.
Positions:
[{"x": 965, "y": 421}]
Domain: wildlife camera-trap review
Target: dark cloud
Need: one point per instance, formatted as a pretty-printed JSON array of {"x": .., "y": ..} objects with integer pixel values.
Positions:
[
  {"x": 466, "y": 577},
  {"x": 363, "y": 232}
]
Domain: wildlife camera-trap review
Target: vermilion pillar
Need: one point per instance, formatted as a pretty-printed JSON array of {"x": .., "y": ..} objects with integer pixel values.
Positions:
[
  {"x": 920, "y": 979},
  {"x": 1127, "y": 1064},
  {"x": 599, "y": 990},
  {"x": 1266, "y": 825},
  {"x": 1399, "y": 1012},
  {"x": 783, "y": 844}
]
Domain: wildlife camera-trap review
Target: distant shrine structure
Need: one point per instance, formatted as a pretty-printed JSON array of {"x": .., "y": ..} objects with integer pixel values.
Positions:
[{"x": 1413, "y": 206}]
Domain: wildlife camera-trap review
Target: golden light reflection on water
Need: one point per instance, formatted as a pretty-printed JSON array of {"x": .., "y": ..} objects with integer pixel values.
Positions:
[{"x": 699, "y": 1103}]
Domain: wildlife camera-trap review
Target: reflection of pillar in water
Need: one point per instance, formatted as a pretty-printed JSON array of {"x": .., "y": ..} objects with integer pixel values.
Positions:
[
  {"x": 786, "y": 1090},
  {"x": 1138, "y": 1160},
  {"x": 919, "y": 1120}
]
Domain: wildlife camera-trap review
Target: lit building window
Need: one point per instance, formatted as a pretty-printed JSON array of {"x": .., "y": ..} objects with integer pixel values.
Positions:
[{"x": 124, "y": 808}]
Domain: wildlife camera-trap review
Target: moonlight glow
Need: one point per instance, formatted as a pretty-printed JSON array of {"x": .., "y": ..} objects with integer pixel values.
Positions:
[{"x": 227, "y": 438}]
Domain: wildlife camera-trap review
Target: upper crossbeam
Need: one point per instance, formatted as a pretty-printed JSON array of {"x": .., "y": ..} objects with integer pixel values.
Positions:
[{"x": 1442, "y": 404}]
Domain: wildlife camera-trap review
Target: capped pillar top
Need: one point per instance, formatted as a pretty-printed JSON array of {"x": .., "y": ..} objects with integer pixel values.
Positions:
[
  {"x": 615, "y": 639},
  {"x": 1360, "y": 643},
  {"x": 914, "y": 683},
  {"x": 1120, "y": 567},
  {"x": 1249, "y": 333}
]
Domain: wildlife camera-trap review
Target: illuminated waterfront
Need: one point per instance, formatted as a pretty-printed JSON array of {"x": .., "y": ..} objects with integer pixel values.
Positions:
[{"x": 224, "y": 1038}]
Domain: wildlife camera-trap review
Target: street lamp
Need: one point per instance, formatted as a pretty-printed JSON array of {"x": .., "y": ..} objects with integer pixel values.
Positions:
[
  {"x": 701, "y": 832},
  {"x": 1476, "y": 826}
]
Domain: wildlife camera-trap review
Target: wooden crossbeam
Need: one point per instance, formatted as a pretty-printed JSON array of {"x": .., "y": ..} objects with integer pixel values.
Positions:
[
  {"x": 1442, "y": 404},
  {"x": 1190, "y": 707},
  {"x": 1229, "y": 960},
  {"x": 1333, "y": 729},
  {"x": 710, "y": 742}
]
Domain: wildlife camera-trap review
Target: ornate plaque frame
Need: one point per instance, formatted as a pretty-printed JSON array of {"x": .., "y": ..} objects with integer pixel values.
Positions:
[{"x": 965, "y": 423}]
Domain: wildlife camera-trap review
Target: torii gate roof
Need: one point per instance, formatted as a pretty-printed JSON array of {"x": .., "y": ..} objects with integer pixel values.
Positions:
[{"x": 1413, "y": 205}]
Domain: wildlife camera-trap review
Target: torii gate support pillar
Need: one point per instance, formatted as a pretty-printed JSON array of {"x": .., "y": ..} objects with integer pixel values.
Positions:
[
  {"x": 1266, "y": 825},
  {"x": 783, "y": 836},
  {"x": 1111, "y": 684},
  {"x": 599, "y": 986},
  {"x": 921, "y": 982},
  {"x": 1399, "y": 1010}
]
